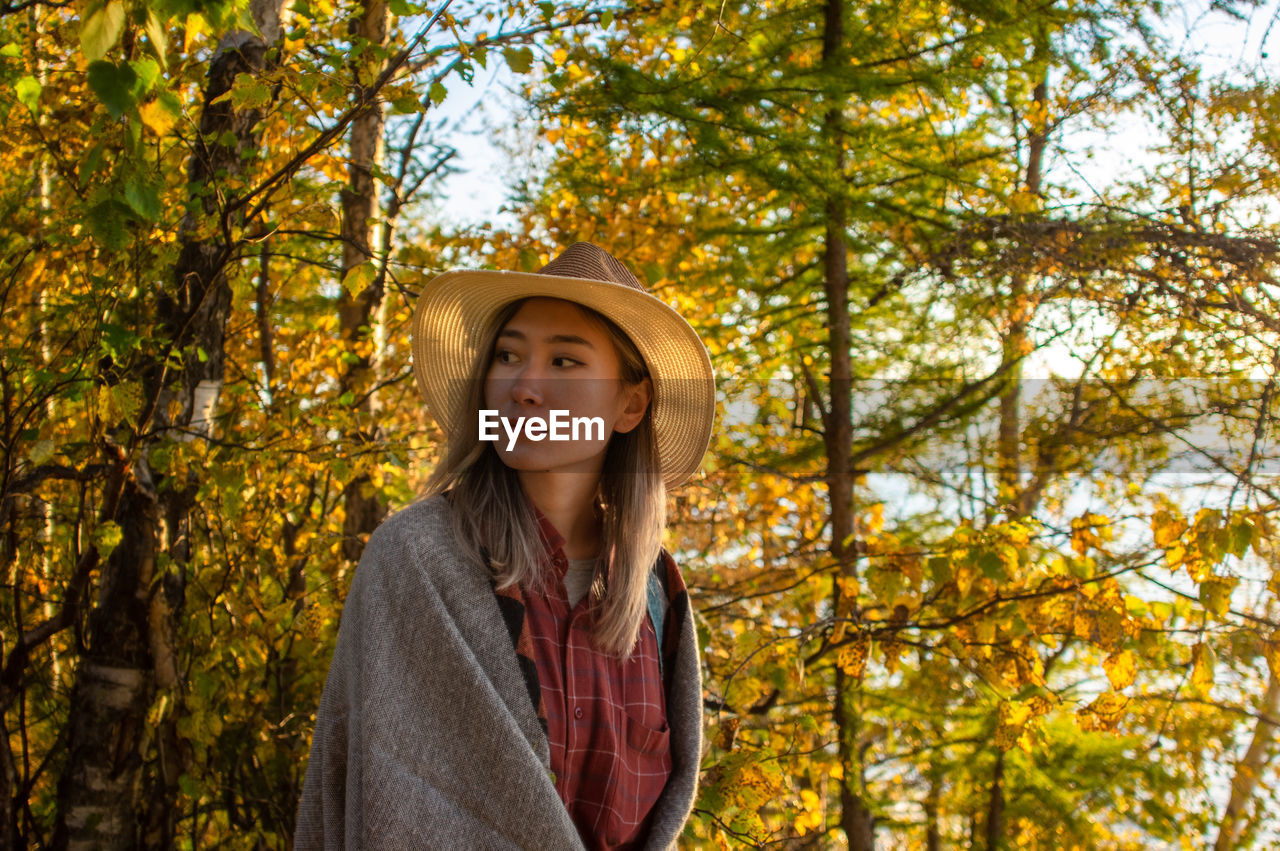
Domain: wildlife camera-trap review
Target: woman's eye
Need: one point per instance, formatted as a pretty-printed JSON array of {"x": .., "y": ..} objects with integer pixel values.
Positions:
[
  {"x": 504, "y": 356},
  {"x": 565, "y": 362}
]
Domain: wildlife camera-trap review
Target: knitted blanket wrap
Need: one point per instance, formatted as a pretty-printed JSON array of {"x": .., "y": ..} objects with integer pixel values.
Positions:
[{"x": 425, "y": 736}]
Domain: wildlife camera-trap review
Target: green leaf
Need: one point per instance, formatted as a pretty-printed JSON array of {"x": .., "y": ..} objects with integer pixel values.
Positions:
[
  {"x": 548, "y": 9},
  {"x": 113, "y": 84},
  {"x": 205, "y": 685},
  {"x": 519, "y": 59},
  {"x": 89, "y": 165},
  {"x": 939, "y": 569},
  {"x": 107, "y": 222},
  {"x": 438, "y": 93},
  {"x": 991, "y": 566},
  {"x": 126, "y": 400},
  {"x": 405, "y": 105},
  {"x": 133, "y": 132},
  {"x": 101, "y": 27},
  {"x": 143, "y": 198},
  {"x": 118, "y": 341},
  {"x": 148, "y": 71},
  {"x": 157, "y": 36},
  {"x": 606, "y": 18},
  {"x": 1241, "y": 538},
  {"x": 400, "y": 8},
  {"x": 348, "y": 399},
  {"x": 107, "y": 537},
  {"x": 28, "y": 91},
  {"x": 248, "y": 93}
]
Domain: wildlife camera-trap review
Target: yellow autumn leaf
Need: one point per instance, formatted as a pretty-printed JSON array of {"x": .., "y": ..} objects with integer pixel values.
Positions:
[
  {"x": 1203, "y": 660},
  {"x": 1104, "y": 713},
  {"x": 852, "y": 658},
  {"x": 1121, "y": 667},
  {"x": 158, "y": 118},
  {"x": 875, "y": 518},
  {"x": 1167, "y": 527},
  {"x": 1215, "y": 593},
  {"x": 810, "y": 816}
]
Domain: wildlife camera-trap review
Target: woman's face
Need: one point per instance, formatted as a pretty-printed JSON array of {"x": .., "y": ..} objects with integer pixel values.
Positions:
[{"x": 552, "y": 357}]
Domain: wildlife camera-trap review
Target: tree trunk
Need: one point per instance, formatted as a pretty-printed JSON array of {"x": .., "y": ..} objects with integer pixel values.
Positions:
[
  {"x": 995, "y": 806},
  {"x": 1249, "y": 769},
  {"x": 855, "y": 816},
  {"x": 98, "y": 789},
  {"x": 360, "y": 312},
  {"x": 104, "y": 799},
  {"x": 933, "y": 795},
  {"x": 1015, "y": 345}
]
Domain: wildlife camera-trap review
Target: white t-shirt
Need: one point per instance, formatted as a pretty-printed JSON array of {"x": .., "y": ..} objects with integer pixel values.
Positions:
[{"x": 577, "y": 579}]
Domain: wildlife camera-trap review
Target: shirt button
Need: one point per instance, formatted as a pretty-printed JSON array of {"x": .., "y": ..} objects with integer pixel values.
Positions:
[{"x": 577, "y": 712}]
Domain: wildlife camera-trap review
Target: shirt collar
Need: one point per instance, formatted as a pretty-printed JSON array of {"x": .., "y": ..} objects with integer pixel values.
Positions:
[{"x": 553, "y": 542}]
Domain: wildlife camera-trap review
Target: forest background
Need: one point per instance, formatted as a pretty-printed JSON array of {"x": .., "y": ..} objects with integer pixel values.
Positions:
[{"x": 984, "y": 551}]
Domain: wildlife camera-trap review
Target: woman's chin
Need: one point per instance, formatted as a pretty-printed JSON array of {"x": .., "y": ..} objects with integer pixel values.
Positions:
[{"x": 534, "y": 458}]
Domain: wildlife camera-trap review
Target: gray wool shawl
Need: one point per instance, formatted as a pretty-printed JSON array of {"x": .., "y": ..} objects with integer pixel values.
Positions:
[{"x": 426, "y": 736}]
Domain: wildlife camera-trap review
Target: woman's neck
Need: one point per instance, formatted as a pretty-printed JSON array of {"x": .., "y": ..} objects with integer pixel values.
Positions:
[{"x": 568, "y": 500}]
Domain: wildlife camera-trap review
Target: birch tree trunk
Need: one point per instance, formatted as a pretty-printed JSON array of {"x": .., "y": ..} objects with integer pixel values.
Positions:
[
  {"x": 1248, "y": 772},
  {"x": 105, "y": 801}
]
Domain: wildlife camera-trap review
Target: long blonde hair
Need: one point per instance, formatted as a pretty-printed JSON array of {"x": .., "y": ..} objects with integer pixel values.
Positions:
[{"x": 494, "y": 521}]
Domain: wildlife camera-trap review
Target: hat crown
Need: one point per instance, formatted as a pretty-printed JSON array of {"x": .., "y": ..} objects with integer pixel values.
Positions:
[{"x": 591, "y": 262}]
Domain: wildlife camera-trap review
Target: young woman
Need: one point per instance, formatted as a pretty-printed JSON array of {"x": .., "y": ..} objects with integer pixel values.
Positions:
[{"x": 517, "y": 664}]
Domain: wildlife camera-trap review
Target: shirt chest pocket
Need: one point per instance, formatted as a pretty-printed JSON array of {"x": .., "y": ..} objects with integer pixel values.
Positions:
[{"x": 639, "y": 774}]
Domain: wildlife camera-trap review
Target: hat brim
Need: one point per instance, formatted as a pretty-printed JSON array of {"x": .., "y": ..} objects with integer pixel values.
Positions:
[{"x": 456, "y": 310}]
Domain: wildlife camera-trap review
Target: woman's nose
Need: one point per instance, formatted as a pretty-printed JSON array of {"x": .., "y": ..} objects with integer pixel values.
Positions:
[{"x": 526, "y": 388}]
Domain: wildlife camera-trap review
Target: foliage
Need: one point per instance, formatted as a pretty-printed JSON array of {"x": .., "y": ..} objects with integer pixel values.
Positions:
[
  {"x": 1055, "y": 622},
  {"x": 1033, "y": 641}
]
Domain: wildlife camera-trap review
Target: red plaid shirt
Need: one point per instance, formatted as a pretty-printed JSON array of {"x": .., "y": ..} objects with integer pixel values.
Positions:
[{"x": 606, "y": 720}]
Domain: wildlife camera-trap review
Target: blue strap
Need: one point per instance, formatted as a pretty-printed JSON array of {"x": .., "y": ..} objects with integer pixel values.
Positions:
[{"x": 657, "y": 607}]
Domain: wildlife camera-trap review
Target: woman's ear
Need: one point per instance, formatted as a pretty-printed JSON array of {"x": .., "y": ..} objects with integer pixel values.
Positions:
[{"x": 635, "y": 401}]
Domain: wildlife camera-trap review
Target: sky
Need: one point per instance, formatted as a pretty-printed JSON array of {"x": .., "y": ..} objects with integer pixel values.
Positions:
[{"x": 477, "y": 192}]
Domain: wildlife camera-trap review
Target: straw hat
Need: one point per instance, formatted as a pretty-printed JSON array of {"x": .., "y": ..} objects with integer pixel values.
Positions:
[{"x": 456, "y": 312}]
